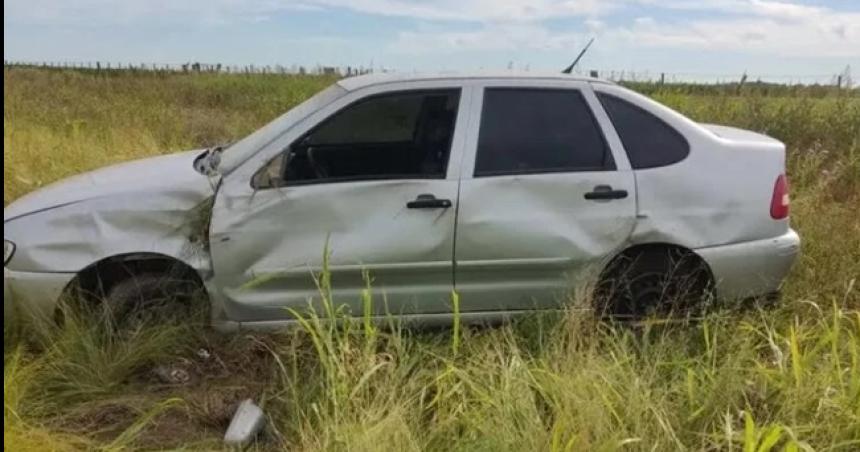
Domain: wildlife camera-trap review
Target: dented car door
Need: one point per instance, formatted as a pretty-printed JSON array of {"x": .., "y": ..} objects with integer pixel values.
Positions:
[
  {"x": 545, "y": 195},
  {"x": 370, "y": 180}
]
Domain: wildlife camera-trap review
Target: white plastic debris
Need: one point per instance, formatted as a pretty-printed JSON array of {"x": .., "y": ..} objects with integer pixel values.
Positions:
[
  {"x": 246, "y": 424},
  {"x": 173, "y": 375}
]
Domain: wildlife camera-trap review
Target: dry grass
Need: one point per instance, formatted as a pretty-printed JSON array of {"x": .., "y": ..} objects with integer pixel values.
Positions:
[{"x": 782, "y": 378}]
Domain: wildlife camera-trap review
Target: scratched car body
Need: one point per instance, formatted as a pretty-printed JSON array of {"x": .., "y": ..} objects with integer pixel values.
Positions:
[{"x": 510, "y": 189}]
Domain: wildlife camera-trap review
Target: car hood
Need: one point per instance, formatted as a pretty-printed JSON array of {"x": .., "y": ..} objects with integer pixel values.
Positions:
[{"x": 139, "y": 178}]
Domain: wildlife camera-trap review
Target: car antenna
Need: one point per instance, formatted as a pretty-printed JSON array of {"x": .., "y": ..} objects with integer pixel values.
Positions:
[{"x": 569, "y": 69}]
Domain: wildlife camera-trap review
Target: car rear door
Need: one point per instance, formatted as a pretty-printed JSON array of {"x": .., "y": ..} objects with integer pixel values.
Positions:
[
  {"x": 370, "y": 179},
  {"x": 546, "y": 194}
]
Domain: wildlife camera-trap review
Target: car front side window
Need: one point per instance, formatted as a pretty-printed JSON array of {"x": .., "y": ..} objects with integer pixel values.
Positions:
[{"x": 399, "y": 135}]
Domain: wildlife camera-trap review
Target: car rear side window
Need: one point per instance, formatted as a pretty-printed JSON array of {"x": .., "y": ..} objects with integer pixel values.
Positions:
[
  {"x": 649, "y": 142},
  {"x": 531, "y": 130}
]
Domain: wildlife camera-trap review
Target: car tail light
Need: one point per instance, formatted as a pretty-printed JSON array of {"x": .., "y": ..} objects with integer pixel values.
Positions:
[{"x": 779, "y": 203}]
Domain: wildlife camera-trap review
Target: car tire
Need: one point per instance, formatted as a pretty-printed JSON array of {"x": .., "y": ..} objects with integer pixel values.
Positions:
[
  {"x": 152, "y": 298},
  {"x": 667, "y": 282}
]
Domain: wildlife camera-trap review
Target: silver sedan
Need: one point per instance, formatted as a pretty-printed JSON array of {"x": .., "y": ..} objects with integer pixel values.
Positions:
[{"x": 514, "y": 190}]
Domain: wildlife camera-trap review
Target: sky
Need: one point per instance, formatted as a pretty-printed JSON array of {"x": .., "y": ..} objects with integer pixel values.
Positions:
[{"x": 801, "y": 40}]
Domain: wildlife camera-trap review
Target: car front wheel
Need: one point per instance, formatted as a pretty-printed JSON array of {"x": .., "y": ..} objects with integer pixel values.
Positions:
[{"x": 151, "y": 298}]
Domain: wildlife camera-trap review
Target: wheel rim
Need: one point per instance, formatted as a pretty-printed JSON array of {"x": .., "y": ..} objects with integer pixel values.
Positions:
[{"x": 640, "y": 295}]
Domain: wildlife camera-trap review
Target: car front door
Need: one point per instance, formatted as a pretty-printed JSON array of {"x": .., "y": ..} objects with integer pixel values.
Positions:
[
  {"x": 371, "y": 182},
  {"x": 546, "y": 193}
]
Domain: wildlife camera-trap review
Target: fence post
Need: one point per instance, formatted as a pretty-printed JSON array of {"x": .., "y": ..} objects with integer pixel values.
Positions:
[{"x": 741, "y": 84}]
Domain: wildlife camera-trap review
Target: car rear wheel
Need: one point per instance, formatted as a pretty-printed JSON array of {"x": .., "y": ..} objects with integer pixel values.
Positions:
[{"x": 654, "y": 282}]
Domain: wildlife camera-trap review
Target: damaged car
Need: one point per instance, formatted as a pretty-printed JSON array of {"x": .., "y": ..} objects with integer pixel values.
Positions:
[{"x": 514, "y": 190}]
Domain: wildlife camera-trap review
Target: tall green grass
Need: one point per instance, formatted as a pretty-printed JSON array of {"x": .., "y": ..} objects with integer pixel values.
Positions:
[
  {"x": 733, "y": 381},
  {"x": 60, "y": 123},
  {"x": 783, "y": 378}
]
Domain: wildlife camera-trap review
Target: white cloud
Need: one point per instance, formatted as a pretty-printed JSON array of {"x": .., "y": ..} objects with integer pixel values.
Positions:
[
  {"x": 121, "y": 12},
  {"x": 774, "y": 28},
  {"x": 784, "y": 27},
  {"x": 491, "y": 37},
  {"x": 58, "y": 11},
  {"x": 480, "y": 10},
  {"x": 594, "y": 26},
  {"x": 745, "y": 26}
]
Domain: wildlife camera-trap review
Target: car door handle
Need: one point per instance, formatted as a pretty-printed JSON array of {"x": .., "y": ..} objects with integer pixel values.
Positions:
[
  {"x": 605, "y": 192},
  {"x": 428, "y": 201}
]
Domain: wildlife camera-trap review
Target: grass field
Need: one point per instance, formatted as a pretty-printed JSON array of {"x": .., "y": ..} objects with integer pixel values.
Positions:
[{"x": 783, "y": 378}]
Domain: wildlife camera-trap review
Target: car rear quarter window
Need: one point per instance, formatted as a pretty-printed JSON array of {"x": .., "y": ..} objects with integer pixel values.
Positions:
[
  {"x": 648, "y": 140},
  {"x": 531, "y": 130}
]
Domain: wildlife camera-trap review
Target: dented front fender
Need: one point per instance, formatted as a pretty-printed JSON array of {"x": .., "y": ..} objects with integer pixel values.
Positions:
[{"x": 158, "y": 206}]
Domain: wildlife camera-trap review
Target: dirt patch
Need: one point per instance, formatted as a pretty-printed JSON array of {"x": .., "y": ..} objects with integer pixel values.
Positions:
[
  {"x": 216, "y": 358},
  {"x": 211, "y": 379},
  {"x": 102, "y": 420},
  {"x": 177, "y": 428},
  {"x": 207, "y": 383}
]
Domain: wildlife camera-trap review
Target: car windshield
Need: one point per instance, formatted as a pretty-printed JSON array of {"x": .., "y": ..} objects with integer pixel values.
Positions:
[{"x": 240, "y": 151}]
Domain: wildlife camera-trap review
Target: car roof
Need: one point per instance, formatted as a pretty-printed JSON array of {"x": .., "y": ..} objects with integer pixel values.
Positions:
[{"x": 362, "y": 81}]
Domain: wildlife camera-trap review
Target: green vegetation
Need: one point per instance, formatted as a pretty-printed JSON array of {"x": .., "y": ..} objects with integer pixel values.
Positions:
[
  {"x": 60, "y": 123},
  {"x": 782, "y": 378}
]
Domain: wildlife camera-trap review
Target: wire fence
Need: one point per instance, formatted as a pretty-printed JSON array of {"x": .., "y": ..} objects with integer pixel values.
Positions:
[
  {"x": 839, "y": 80},
  {"x": 196, "y": 67}
]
